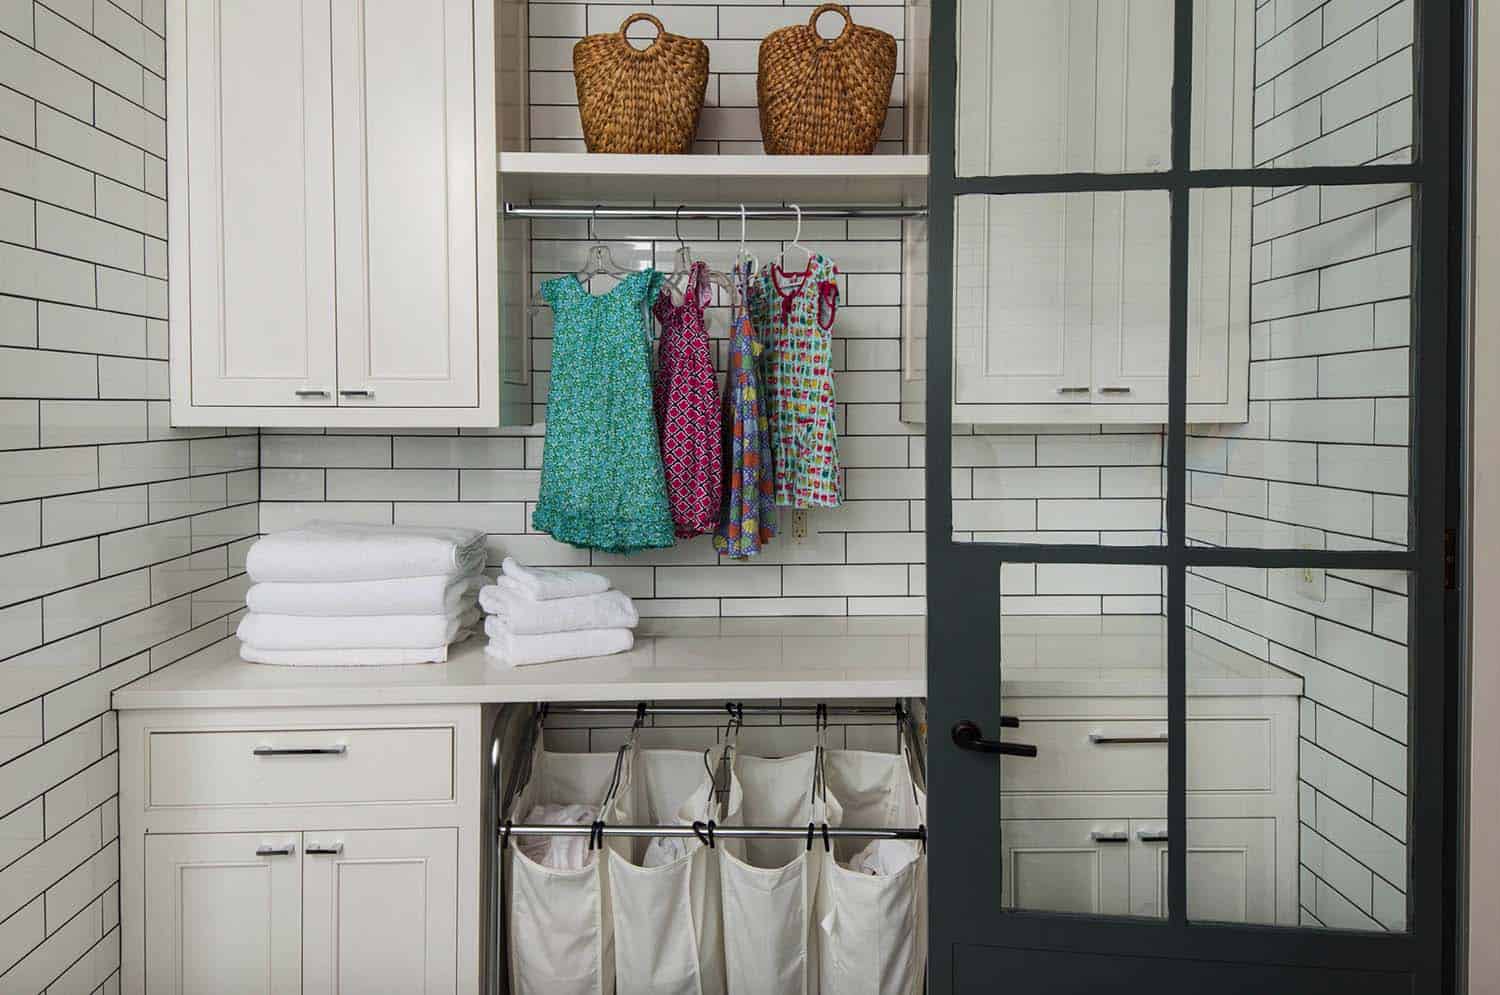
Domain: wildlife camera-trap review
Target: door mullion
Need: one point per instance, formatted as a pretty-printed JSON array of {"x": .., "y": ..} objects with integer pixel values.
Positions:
[{"x": 1176, "y": 454}]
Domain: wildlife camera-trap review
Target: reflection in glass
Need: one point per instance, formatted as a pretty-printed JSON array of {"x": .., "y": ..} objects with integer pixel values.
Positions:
[
  {"x": 1297, "y": 704},
  {"x": 1083, "y": 671},
  {"x": 1322, "y": 462}
]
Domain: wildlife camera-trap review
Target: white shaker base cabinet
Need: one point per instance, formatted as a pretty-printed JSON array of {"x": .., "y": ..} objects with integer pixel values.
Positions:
[
  {"x": 380, "y": 911},
  {"x": 332, "y": 199},
  {"x": 225, "y": 912},
  {"x": 262, "y": 852}
]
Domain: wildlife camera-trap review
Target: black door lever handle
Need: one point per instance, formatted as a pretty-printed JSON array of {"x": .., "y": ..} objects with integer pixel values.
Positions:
[{"x": 968, "y": 736}]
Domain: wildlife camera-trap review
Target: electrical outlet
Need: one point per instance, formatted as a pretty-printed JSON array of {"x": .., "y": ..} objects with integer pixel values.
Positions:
[{"x": 799, "y": 525}]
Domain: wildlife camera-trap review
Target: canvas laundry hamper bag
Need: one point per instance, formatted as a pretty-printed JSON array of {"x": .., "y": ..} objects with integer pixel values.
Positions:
[
  {"x": 873, "y": 926},
  {"x": 561, "y": 935},
  {"x": 771, "y": 885},
  {"x": 664, "y": 893}
]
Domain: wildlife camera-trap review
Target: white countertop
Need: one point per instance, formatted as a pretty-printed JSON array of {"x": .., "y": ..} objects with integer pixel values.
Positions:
[{"x": 732, "y": 659}]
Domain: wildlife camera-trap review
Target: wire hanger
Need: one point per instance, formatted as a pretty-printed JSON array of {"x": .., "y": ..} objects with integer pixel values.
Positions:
[
  {"x": 601, "y": 260},
  {"x": 796, "y": 243}
]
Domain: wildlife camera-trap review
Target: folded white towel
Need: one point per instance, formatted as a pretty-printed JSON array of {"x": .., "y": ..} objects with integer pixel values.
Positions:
[
  {"x": 292, "y": 632},
  {"x": 338, "y": 551},
  {"x": 525, "y": 615},
  {"x": 519, "y": 651},
  {"x": 546, "y": 583},
  {"x": 438, "y": 595},
  {"x": 375, "y": 657}
]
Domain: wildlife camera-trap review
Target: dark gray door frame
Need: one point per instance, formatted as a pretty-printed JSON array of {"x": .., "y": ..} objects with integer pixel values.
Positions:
[{"x": 976, "y": 946}]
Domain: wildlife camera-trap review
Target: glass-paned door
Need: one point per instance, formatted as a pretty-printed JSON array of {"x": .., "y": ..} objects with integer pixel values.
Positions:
[{"x": 1192, "y": 494}]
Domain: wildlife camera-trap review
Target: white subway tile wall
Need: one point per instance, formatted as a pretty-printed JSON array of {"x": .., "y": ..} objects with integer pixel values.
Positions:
[
  {"x": 1323, "y": 463},
  {"x": 121, "y": 541}
]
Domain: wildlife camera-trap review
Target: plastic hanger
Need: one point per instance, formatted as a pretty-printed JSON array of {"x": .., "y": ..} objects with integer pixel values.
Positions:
[
  {"x": 601, "y": 260},
  {"x": 795, "y": 244}
]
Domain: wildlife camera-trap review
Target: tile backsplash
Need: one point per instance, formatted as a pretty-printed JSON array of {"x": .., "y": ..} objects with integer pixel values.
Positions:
[
  {"x": 1324, "y": 462},
  {"x": 121, "y": 539}
]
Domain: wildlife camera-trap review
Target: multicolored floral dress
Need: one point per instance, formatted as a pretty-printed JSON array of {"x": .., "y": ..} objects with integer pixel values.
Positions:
[
  {"x": 793, "y": 314},
  {"x": 602, "y": 484},
  {"x": 687, "y": 409},
  {"x": 749, "y": 518}
]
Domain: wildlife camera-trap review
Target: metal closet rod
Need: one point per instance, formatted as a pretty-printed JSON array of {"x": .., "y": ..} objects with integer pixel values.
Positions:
[
  {"x": 726, "y": 709},
  {"x": 686, "y": 213},
  {"x": 723, "y": 832}
]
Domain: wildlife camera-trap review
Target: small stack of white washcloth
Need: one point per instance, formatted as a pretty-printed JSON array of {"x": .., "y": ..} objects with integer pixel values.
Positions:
[
  {"x": 337, "y": 594},
  {"x": 541, "y": 614}
]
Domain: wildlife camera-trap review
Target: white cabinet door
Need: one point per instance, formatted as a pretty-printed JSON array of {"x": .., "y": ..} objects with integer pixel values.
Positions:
[
  {"x": 381, "y": 911},
  {"x": 1066, "y": 865},
  {"x": 222, "y": 918},
  {"x": 406, "y": 170},
  {"x": 1231, "y": 870},
  {"x": 1023, "y": 273},
  {"x": 251, "y": 201}
]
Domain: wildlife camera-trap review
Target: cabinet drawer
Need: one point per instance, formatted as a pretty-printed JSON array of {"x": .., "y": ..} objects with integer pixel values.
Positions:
[
  {"x": 300, "y": 766},
  {"x": 1112, "y": 755}
]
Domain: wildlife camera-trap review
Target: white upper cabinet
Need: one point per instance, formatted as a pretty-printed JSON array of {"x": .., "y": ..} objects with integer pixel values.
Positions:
[
  {"x": 252, "y": 184},
  {"x": 333, "y": 210},
  {"x": 1062, "y": 301},
  {"x": 405, "y": 175}
]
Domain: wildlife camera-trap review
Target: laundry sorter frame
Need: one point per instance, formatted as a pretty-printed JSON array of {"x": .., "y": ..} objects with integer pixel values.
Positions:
[{"x": 515, "y": 730}]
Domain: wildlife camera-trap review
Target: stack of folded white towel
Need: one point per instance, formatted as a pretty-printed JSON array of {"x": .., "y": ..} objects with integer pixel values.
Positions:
[
  {"x": 335, "y": 594},
  {"x": 540, "y": 614}
]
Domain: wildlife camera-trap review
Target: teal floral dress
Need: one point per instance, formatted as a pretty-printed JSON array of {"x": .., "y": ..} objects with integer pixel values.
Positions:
[{"x": 602, "y": 482}]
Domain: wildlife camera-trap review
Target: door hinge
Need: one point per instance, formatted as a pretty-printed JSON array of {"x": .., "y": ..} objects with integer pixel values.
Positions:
[{"x": 1450, "y": 560}]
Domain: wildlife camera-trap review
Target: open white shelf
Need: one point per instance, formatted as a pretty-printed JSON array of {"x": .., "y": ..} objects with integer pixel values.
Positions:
[{"x": 618, "y": 180}]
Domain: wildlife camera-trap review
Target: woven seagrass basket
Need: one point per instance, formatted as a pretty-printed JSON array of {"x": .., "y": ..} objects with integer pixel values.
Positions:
[
  {"x": 640, "y": 100},
  {"x": 824, "y": 96}
]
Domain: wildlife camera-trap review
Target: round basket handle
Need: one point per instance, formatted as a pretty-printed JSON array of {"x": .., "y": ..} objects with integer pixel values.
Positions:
[
  {"x": 825, "y": 8},
  {"x": 641, "y": 15}
]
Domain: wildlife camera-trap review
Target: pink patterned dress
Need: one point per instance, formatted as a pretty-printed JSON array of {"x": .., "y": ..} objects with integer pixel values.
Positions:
[{"x": 687, "y": 410}]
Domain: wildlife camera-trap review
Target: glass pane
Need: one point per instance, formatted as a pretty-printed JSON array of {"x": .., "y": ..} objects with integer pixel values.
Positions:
[
  {"x": 1320, "y": 459},
  {"x": 1083, "y": 672},
  {"x": 1297, "y": 718},
  {"x": 1083, "y": 86},
  {"x": 1064, "y": 87},
  {"x": 1333, "y": 82},
  {"x": 1059, "y": 380}
]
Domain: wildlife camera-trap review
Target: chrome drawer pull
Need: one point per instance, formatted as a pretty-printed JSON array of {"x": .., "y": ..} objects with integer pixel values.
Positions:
[
  {"x": 271, "y": 850},
  {"x": 1104, "y": 836},
  {"x": 337, "y": 750},
  {"x": 1114, "y": 390},
  {"x": 1152, "y": 835},
  {"x": 1100, "y": 739},
  {"x": 361, "y": 392},
  {"x": 1072, "y": 390},
  {"x": 333, "y": 849},
  {"x": 311, "y": 392}
]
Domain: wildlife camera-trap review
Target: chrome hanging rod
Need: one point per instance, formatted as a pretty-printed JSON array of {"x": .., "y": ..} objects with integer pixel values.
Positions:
[
  {"x": 721, "y": 832},
  {"x": 727, "y": 709},
  {"x": 686, "y": 213}
]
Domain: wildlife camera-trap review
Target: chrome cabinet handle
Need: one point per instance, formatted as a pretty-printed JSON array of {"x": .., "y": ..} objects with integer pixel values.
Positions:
[
  {"x": 361, "y": 392},
  {"x": 1098, "y": 738},
  {"x": 1114, "y": 390},
  {"x": 1072, "y": 390},
  {"x": 333, "y": 849},
  {"x": 337, "y": 750},
  {"x": 275, "y": 850},
  {"x": 311, "y": 392},
  {"x": 1151, "y": 835},
  {"x": 1109, "y": 836}
]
